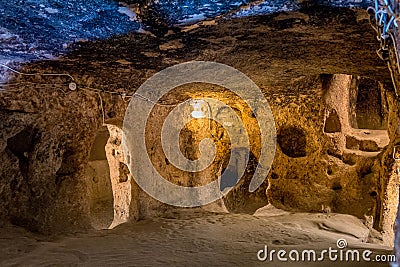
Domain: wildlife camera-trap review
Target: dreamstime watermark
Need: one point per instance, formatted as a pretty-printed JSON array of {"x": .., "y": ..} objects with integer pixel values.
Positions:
[
  {"x": 338, "y": 254},
  {"x": 150, "y": 92}
]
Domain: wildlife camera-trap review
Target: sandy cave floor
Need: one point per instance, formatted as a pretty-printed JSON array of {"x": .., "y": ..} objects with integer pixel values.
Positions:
[{"x": 192, "y": 238}]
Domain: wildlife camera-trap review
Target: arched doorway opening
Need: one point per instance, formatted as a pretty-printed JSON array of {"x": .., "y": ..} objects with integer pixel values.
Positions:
[{"x": 100, "y": 193}]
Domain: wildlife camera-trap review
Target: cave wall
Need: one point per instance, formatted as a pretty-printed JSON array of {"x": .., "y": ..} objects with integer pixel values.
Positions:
[
  {"x": 331, "y": 170},
  {"x": 43, "y": 177},
  {"x": 315, "y": 169},
  {"x": 125, "y": 190},
  {"x": 388, "y": 172},
  {"x": 45, "y": 148}
]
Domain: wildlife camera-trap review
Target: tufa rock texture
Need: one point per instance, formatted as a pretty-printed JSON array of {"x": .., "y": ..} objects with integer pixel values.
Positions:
[{"x": 316, "y": 66}]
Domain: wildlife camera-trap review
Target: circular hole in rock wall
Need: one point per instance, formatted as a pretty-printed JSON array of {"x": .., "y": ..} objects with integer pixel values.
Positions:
[{"x": 292, "y": 141}]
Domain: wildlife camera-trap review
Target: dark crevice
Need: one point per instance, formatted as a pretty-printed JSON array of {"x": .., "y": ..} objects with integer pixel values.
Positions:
[{"x": 21, "y": 145}]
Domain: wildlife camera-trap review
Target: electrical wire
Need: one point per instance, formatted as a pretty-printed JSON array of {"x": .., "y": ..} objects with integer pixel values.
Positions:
[
  {"x": 155, "y": 103},
  {"x": 101, "y": 104},
  {"x": 35, "y": 74},
  {"x": 18, "y": 85},
  {"x": 98, "y": 92},
  {"x": 125, "y": 97},
  {"x": 122, "y": 94},
  {"x": 370, "y": 21},
  {"x": 385, "y": 19},
  {"x": 102, "y": 109}
]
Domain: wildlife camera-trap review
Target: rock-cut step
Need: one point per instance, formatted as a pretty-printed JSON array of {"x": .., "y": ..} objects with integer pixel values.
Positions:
[{"x": 367, "y": 140}]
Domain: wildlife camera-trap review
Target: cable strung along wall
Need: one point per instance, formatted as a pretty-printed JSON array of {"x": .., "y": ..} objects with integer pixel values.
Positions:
[{"x": 386, "y": 24}]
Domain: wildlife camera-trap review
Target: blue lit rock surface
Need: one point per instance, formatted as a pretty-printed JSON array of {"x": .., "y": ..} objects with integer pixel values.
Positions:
[
  {"x": 34, "y": 29},
  {"x": 180, "y": 12},
  {"x": 39, "y": 29}
]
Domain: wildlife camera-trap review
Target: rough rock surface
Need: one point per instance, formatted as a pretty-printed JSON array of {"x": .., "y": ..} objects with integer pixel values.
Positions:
[
  {"x": 47, "y": 131},
  {"x": 31, "y": 30}
]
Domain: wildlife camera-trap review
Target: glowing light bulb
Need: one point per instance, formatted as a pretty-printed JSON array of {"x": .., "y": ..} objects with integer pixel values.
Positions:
[
  {"x": 198, "y": 106},
  {"x": 198, "y": 114}
]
